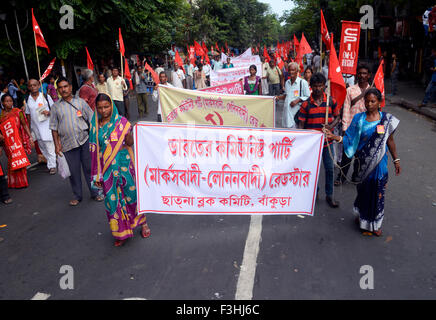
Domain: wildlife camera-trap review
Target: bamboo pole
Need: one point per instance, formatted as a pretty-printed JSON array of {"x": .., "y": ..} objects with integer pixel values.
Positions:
[
  {"x": 320, "y": 53},
  {"x": 122, "y": 68},
  {"x": 37, "y": 60}
]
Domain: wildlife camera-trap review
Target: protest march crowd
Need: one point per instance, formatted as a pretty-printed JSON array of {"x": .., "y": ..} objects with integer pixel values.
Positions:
[{"x": 89, "y": 130}]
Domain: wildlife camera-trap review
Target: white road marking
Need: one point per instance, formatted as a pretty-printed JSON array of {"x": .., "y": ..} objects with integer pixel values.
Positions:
[
  {"x": 244, "y": 288},
  {"x": 41, "y": 296}
]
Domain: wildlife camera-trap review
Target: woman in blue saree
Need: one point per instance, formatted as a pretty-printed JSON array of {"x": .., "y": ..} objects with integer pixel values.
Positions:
[
  {"x": 369, "y": 136},
  {"x": 110, "y": 142}
]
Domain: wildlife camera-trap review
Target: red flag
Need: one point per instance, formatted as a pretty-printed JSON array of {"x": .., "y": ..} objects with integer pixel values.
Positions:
[
  {"x": 154, "y": 75},
  {"x": 49, "y": 68},
  {"x": 227, "y": 47},
  {"x": 304, "y": 47},
  {"x": 179, "y": 61},
  {"x": 203, "y": 45},
  {"x": 39, "y": 38},
  {"x": 296, "y": 43},
  {"x": 216, "y": 46},
  {"x": 324, "y": 32},
  {"x": 127, "y": 72},
  {"x": 380, "y": 83},
  {"x": 138, "y": 62},
  {"x": 198, "y": 49},
  {"x": 279, "y": 60},
  {"x": 120, "y": 39},
  {"x": 337, "y": 84},
  {"x": 89, "y": 63},
  {"x": 266, "y": 55}
]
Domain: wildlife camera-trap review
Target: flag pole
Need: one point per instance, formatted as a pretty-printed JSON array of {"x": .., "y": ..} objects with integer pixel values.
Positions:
[
  {"x": 37, "y": 59},
  {"x": 122, "y": 69},
  {"x": 320, "y": 53}
]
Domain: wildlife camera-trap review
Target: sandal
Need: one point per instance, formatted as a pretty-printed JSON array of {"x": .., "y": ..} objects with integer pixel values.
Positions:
[
  {"x": 98, "y": 198},
  {"x": 74, "y": 203},
  {"x": 377, "y": 233},
  {"x": 145, "y": 232},
  {"x": 8, "y": 201},
  {"x": 119, "y": 243}
]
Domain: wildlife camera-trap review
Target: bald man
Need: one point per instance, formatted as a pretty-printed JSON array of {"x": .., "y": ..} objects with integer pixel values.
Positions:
[{"x": 38, "y": 115}]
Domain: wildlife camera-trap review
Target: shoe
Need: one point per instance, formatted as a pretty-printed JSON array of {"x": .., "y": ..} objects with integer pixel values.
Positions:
[
  {"x": 331, "y": 202},
  {"x": 53, "y": 171}
]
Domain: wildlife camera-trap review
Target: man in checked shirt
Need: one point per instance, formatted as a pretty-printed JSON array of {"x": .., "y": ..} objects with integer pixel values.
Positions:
[{"x": 354, "y": 103}]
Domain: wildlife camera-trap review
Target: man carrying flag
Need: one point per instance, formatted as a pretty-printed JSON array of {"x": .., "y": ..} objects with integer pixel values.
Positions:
[{"x": 313, "y": 114}]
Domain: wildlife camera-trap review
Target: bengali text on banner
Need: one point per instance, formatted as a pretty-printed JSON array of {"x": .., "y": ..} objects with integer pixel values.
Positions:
[
  {"x": 199, "y": 107},
  {"x": 236, "y": 87},
  {"x": 226, "y": 170}
]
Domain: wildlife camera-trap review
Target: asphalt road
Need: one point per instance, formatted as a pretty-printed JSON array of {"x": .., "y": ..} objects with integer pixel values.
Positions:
[{"x": 199, "y": 257}]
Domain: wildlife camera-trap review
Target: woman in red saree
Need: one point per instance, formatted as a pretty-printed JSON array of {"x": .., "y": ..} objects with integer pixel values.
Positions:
[{"x": 16, "y": 178}]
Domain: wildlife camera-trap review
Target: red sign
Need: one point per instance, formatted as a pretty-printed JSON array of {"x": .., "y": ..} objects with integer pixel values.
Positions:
[
  {"x": 229, "y": 88},
  {"x": 349, "y": 51},
  {"x": 13, "y": 144}
]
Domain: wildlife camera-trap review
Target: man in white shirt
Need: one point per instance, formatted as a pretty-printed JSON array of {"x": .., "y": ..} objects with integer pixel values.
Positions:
[
  {"x": 159, "y": 69},
  {"x": 116, "y": 85},
  {"x": 155, "y": 97},
  {"x": 178, "y": 77},
  {"x": 206, "y": 69},
  {"x": 38, "y": 115},
  {"x": 296, "y": 92},
  {"x": 217, "y": 64}
]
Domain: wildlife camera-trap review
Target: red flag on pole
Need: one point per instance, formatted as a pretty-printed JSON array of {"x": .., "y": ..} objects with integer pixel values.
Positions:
[
  {"x": 324, "y": 32},
  {"x": 266, "y": 55},
  {"x": 337, "y": 84},
  {"x": 49, "y": 68},
  {"x": 279, "y": 60},
  {"x": 127, "y": 72},
  {"x": 304, "y": 47},
  {"x": 380, "y": 83},
  {"x": 198, "y": 49},
  {"x": 179, "y": 61},
  {"x": 296, "y": 43},
  {"x": 154, "y": 75},
  {"x": 89, "y": 63},
  {"x": 39, "y": 38},
  {"x": 120, "y": 39},
  {"x": 216, "y": 46}
]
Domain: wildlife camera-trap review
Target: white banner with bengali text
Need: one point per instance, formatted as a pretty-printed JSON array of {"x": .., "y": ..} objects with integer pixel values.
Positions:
[{"x": 182, "y": 169}]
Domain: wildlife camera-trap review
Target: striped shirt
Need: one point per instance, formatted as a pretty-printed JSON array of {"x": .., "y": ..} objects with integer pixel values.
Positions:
[
  {"x": 349, "y": 111},
  {"x": 72, "y": 125},
  {"x": 313, "y": 116}
]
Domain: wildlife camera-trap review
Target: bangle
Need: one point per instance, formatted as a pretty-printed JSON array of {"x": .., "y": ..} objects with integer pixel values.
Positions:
[
  {"x": 341, "y": 138},
  {"x": 396, "y": 160}
]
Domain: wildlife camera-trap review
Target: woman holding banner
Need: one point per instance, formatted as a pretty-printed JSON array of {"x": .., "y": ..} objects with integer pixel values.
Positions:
[
  {"x": 366, "y": 138},
  {"x": 13, "y": 121},
  {"x": 252, "y": 83},
  {"x": 110, "y": 142}
]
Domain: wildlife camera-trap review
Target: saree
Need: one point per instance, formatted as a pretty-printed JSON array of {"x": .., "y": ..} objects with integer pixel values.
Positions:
[
  {"x": 113, "y": 166},
  {"x": 17, "y": 178},
  {"x": 367, "y": 141}
]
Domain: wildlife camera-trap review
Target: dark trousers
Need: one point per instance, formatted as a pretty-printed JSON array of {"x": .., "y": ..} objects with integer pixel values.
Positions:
[
  {"x": 274, "y": 89},
  {"x": 345, "y": 164},
  {"x": 78, "y": 158},
  {"x": 120, "y": 107},
  {"x": 4, "y": 194},
  {"x": 142, "y": 104}
]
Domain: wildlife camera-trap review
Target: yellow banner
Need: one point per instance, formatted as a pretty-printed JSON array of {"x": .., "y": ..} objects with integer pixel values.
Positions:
[{"x": 199, "y": 107}]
